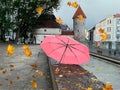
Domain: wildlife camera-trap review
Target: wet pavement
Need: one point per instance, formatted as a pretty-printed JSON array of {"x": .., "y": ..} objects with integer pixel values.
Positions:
[
  {"x": 105, "y": 71},
  {"x": 17, "y": 73}
]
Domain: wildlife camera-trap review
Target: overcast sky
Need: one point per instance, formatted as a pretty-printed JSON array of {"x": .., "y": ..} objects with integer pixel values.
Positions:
[{"x": 95, "y": 10}]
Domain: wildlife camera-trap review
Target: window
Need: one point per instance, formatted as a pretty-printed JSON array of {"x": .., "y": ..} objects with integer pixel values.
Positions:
[
  {"x": 118, "y": 21},
  {"x": 108, "y": 29},
  {"x": 108, "y": 36}
]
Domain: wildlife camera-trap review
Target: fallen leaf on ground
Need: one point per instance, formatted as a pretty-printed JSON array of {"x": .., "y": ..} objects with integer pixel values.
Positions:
[
  {"x": 1, "y": 84},
  {"x": 34, "y": 84},
  {"x": 4, "y": 71},
  {"x": 17, "y": 77}
]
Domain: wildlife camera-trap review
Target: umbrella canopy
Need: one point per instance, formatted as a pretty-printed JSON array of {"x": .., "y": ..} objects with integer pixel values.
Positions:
[{"x": 65, "y": 50}]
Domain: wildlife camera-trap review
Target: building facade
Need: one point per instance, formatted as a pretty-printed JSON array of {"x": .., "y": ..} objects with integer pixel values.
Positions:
[{"x": 111, "y": 25}]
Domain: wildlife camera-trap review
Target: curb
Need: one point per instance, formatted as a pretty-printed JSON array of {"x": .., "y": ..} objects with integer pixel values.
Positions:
[
  {"x": 114, "y": 60},
  {"x": 54, "y": 84}
]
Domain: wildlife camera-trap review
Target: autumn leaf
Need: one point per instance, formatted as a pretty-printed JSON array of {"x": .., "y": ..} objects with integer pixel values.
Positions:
[
  {"x": 59, "y": 20},
  {"x": 25, "y": 47},
  {"x": 104, "y": 36},
  {"x": 69, "y": 3},
  {"x": 39, "y": 10},
  {"x": 101, "y": 30},
  {"x": 33, "y": 76},
  {"x": 40, "y": 73},
  {"x": 89, "y": 88},
  {"x": 12, "y": 69},
  {"x": 11, "y": 65},
  {"x": 17, "y": 77},
  {"x": 34, "y": 66},
  {"x": 28, "y": 52},
  {"x": 11, "y": 82},
  {"x": 4, "y": 71},
  {"x": 1, "y": 68},
  {"x": 75, "y": 4},
  {"x": 1, "y": 84},
  {"x": 6, "y": 79},
  {"x": 80, "y": 17},
  {"x": 10, "y": 50},
  {"x": 34, "y": 84}
]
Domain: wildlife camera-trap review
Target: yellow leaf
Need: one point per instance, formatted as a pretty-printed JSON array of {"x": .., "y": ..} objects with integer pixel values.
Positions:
[
  {"x": 101, "y": 30},
  {"x": 10, "y": 50},
  {"x": 39, "y": 10},
  {"x": 69, "y": 3},
  {"x": 34, "y": 84},
  {"x": 40, "y": 73},
  {"x": 59, "y": 20},
  {"x": 89, "y": 89},
  {"x": 104, "y": 36},
  {"x": 80, "y": 17},
  {"x": 25, "y": 47},
  {"x": 28, "y": 52},
  {"x": 75, "y": 4}
]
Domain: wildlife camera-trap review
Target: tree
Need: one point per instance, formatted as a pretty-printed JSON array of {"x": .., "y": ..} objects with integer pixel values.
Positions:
[{"x": 20, "y": 16}]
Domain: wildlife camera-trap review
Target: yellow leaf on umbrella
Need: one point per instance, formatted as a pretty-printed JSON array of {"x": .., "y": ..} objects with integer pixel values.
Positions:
[
  {"x": 59, "y": 20},
  {"x": 34, "y": 84},
  {"x": 75, "y": 4},
  {"x": 10, "y": 50},
  {"x": 69, "y": 3},
  {"x": 39, "y": 10},
  {"x": 80, "y": 17}
]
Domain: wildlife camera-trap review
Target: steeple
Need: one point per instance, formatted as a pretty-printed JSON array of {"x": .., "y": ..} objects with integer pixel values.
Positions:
[{"x": 79, "y": 11}]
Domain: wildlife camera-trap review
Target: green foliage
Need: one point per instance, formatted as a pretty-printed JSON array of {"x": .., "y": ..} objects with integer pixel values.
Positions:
[{"x": 21, "y": 16}]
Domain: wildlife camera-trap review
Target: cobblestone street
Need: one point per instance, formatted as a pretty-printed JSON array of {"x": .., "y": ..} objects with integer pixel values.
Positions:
[{"x": 17, "y": 73}]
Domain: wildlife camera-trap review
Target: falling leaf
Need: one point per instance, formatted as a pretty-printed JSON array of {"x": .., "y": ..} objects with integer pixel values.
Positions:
[
  {"x": 25, "y": 47},
  {"x": 10, "y": 50},
  {"x": 69, "y": 3},
  {"x": 101, "y": 30},
  {"x": 39, "y": 10},
  {"x": 59, "y": 20},
  {"x": 17, "y": 77},
  {"x": 34, "y": 84},
  {"x": 80, "y": 17},
  {"x": 1, "y": 84},
  {"x": 75, "y": 4},
  {"x": 4, "y": 71},
  {"x": 28, "y": 52}
]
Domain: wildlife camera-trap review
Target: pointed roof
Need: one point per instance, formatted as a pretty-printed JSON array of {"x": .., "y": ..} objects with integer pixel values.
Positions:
[{"x": 78, "y": 12}]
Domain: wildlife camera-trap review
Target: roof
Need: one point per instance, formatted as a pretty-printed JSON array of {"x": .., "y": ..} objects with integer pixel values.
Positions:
[
  {"x": 47, "y": 21},
  {"x": 79, "y": 11},
  {"x": 117, "y": 15},
  {"x": 67, "y": 32}
]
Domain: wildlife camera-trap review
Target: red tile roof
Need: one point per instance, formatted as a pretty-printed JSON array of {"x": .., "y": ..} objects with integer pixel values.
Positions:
[
  {"x": 79, "y": 11},
  {"x": 67, "y": 32},
  {"x": 117, "y": 15}
]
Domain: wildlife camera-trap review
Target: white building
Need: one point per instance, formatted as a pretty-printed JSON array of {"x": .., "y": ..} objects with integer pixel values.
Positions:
[
  {"x": 111, "y": 26},
  {"x": 79, "y": 25},
  {"x": 48, "y": 26},
  {"x": 41, "y": 33}
]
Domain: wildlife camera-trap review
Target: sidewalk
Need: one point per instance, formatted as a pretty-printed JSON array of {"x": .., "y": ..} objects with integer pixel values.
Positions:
[{"x": 18, "y": 71}]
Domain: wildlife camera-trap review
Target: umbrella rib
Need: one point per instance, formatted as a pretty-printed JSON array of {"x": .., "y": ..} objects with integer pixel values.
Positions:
[
  {"x": 76, "y": 49},
  {"x": 60, "y": 40},
  {"x": 74, "y": 54},
  {"x": 56, "y": 49}
]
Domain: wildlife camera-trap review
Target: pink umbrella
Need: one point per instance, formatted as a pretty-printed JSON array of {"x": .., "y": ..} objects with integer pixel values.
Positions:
[{"x": 65, "y": 50}]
